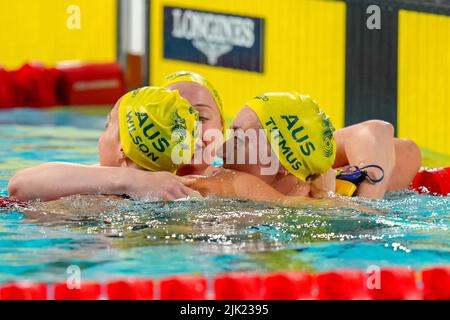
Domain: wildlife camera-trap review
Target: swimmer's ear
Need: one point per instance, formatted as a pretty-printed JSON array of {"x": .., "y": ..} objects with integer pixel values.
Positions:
[
  {"x": 122, "y": 154},
  {"x": 123, "y": 159}
]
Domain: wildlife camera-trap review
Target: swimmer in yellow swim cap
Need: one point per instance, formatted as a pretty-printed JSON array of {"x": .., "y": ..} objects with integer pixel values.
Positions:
[
  {"x": 71, "y": 178},
  {"x": 152, "y": 122},
  {"x": 122, "y": 161},
  {"x": 287, "y": 143},
  {"x": 304, "y": 137},
  {"x": 307, "y": 150},
  {"x": 366, "y": 143},
  {"x": 204, "y": 97},
  {"x": 148, "y": 133},
  {"x": 187, "y": 83}
]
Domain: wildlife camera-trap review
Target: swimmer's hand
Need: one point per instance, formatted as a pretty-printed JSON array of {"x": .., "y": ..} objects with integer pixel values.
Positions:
[
  {"x": 140, "y": 184},
  {"x": 324, "y": 184},
  {"x": 52, "y": 181}
]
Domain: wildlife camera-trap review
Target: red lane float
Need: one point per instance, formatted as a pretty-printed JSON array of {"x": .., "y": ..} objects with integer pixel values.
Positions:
[
  {"x": 342, "y": 285},
  {"x": 130, "y": 290},
  {"x": 70, "y": 83},
  {"x": 36, "y": 85},
  {"x": 7, "y": 90},
  {"x": 84, "y": 84},
  {"x": 87, "y": 291},
  {"x": 183, "y": 288},
  {"x": 24, "y": 291},
  {"x": 433, "y": 181},
  {"x": 288, "y": 286},
  {"x": 396, "y": 284},
  {"x": 237, "y": 286},
  {"x": 436, "y": 283}
]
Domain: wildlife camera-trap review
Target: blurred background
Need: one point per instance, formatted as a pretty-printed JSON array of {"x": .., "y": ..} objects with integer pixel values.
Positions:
[{"x": 358, "y": 59}]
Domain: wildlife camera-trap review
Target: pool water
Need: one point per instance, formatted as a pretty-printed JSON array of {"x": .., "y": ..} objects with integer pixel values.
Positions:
[{"x": 110, "y": 239}]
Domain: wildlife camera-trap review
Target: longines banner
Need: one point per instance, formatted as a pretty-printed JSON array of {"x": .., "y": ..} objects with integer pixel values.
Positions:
[{"x": 213, "y": 38}]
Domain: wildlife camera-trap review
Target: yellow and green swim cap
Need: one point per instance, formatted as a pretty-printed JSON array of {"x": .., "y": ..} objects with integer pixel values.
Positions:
[
  {"x": 303, "y": 132},
  {"x": 187, "y": 76},
  {"x": 158, "y": 128}
]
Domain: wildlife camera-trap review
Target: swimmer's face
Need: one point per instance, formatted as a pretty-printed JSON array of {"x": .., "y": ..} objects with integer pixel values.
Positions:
[
  {"x": 246, "y": 125},
  {"x": 202, "y": 101},
  {"x": 109, "y": 147}
]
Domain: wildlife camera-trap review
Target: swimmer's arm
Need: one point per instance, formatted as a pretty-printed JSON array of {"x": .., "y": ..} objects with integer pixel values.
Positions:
[
  {"x": 324, "y": 185},
  {"x": 51, "y": 181},
  {"x": 232, "y": 184}
]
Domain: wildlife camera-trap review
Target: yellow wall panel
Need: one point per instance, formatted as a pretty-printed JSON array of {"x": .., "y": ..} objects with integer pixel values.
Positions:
[
  {"x": 37, "y": 30},
  {"x": 424, "y": 79},
  {"x": 304, "y": 51}
]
